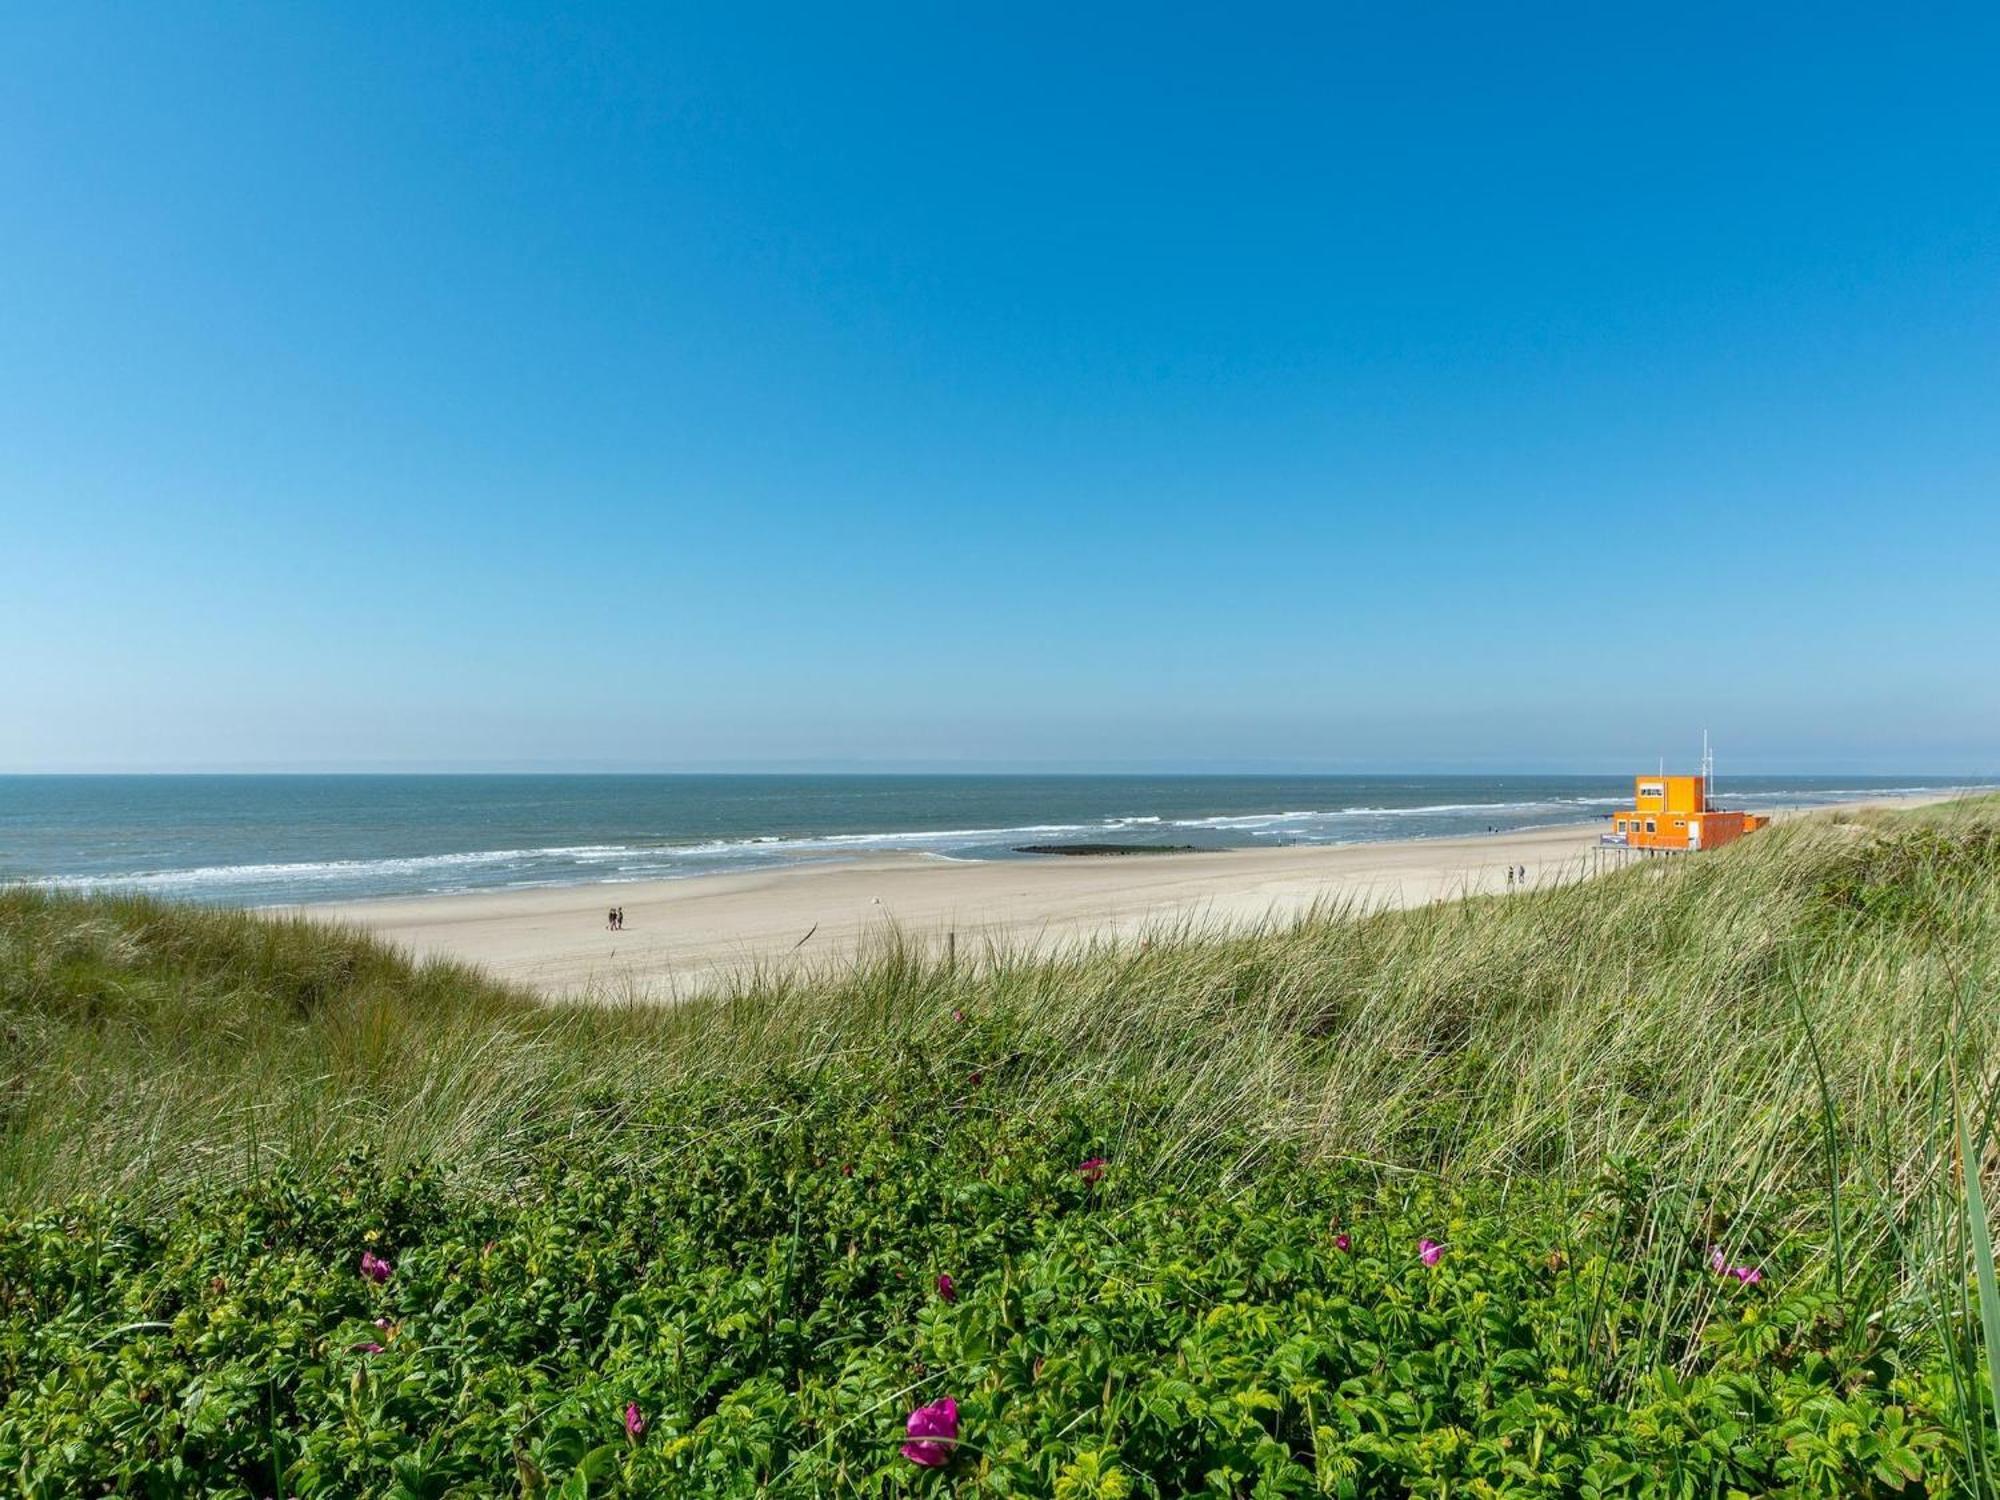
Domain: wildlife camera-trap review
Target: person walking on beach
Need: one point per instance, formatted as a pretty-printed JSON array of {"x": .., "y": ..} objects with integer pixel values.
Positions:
[
  {"x": 611, "y": 919},
  {"x": 618, "y": 917}
]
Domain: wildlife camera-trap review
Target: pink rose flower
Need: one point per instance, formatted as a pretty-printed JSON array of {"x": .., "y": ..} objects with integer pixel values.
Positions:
[{"x": 933, "y": 1433}]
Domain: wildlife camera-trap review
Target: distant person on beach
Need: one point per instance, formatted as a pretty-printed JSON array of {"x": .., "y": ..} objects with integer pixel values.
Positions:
[
  {"x": 614, "y": 919},
  {"x": 1510, "y": 877}
]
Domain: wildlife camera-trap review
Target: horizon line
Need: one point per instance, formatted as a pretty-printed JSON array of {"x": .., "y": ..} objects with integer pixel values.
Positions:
[{"x": 967, "y": 768}]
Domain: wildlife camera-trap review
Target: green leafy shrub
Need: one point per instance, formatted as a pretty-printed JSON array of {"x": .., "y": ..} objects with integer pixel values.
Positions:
[{"x": 765, "y": 1293}]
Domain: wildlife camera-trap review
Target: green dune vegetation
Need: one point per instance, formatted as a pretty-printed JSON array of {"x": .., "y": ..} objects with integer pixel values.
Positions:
[{"x": 1652, "y": 1185}]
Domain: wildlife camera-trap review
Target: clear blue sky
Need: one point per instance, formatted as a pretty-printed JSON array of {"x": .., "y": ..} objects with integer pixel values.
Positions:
[{"x": 1386, "y": 386}]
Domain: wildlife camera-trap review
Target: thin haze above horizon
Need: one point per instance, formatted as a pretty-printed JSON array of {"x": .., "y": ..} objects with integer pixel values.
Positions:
[{"x": 1290, "y": 387}]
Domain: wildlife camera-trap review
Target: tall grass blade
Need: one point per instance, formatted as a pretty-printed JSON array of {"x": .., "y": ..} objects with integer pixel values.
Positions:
[
  {"x": 1829, "y": 1136},
  {"x": 1982, "y": 1264}
]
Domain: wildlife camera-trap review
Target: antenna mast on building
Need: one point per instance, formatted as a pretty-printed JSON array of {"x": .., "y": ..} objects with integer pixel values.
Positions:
[{"x": 1707, "y": 774}]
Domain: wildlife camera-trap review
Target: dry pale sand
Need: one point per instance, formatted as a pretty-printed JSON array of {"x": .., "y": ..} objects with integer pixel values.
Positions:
[{"x": 682, "y": 936}]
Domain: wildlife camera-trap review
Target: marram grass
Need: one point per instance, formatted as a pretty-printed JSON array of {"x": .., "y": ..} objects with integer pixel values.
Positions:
[{"x": 1587, "y": 1093}]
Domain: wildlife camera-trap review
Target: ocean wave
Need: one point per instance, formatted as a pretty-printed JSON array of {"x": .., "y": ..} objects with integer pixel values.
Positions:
[
  {"x": 412, "y": 864},
  {"x": 609, "y": 862},
  {"x": 1422, "y": 810},
  {"x": 1247, "y": 820}
]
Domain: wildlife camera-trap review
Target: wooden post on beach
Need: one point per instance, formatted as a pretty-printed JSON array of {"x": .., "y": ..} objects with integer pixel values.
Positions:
[{"x": 951, "y": 950}]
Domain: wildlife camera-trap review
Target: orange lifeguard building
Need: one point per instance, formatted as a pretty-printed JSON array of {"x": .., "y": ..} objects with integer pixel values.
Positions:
[{"x": 1672, "y": 813}]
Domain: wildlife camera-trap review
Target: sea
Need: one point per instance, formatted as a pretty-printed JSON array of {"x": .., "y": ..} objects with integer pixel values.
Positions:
[{"x": 281, "y": 840}]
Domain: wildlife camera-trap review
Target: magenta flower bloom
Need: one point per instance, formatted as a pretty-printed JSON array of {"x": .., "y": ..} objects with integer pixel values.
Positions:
[
  {"x": 1342, "y": 1242},
  {"x": 1092, "y": 1169},
  {"x": 1430, "y": 1250},
  {"x": 957, "y": 1015},
  {"x": 1745, "y": 1275},
  {"x": 634, "y": 1423},
  {"x": 374, "y": 1267},
  {"x": 933, "y": 1431},
  {"x": 368, "y": 1348},
  {"x": 947, "y": 1288}
]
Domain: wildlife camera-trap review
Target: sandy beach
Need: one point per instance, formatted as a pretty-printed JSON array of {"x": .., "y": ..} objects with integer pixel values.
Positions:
[{"x": 682, "y": 936}]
